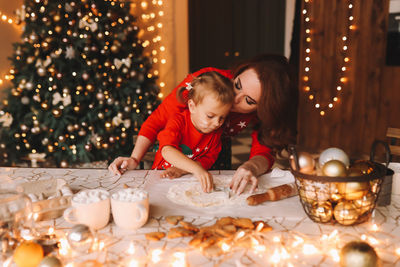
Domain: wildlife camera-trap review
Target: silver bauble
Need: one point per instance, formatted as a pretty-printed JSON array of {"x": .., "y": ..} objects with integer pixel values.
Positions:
[
  {"x": 334, "y": 168},
  {"x": 333, "y": 153},
  {"x": 50, "y": 261},
  {"x": 80, "y": 237},
  {"x": 358, "y": 254},
  {"x": 41, "y": 71}
]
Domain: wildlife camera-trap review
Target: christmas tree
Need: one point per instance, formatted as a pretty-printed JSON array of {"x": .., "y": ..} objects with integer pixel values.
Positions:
[{"x": 81, "y": 84}]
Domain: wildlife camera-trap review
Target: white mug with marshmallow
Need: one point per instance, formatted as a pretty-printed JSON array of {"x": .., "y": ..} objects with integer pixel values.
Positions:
[
  {"x": 130, "y": 208},
  {"x": 90, "y": 207}
]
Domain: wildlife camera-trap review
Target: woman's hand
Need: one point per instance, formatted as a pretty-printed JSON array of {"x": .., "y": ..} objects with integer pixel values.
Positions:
[
  {"x": 122, "y": 164},
  {"x": 248, "y": 173},
  {"x": 206, "y": 179},
  {"x": 172, "y": 173},
  {"x": 241, "y": 178}
]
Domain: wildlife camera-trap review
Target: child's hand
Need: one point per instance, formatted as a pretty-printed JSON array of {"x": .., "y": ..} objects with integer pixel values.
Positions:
[
  {"x": 121, "y": 164},
  {"x": 172, "y": 173},
  {"x": 206, "y": 179}
]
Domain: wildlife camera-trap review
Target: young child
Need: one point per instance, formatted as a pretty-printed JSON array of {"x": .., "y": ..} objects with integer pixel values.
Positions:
[{"x": 190, "y": 141}]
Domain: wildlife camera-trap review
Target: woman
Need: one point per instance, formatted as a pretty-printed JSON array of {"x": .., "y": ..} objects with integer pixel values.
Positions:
[{"x": 265, "y": 95}]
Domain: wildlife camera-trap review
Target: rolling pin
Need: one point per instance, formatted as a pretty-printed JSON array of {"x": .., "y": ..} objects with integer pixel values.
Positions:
[{"x": 273, "y": 194}]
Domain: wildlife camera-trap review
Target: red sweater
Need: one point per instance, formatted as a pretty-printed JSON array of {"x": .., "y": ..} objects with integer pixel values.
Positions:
[
  {"x": 234, "y": 123},
  {"x": 181, "y": 134}
]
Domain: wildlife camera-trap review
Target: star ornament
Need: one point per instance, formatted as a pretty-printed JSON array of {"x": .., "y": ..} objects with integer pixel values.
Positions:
[
  {"x": 242, "y": 124},
  {"x": 70, "y": 52}
]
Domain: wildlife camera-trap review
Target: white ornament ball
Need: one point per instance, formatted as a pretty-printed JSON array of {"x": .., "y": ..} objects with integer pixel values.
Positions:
[
  {"x": 333, "y": 153},
  {"x": 25, "y": 100}
]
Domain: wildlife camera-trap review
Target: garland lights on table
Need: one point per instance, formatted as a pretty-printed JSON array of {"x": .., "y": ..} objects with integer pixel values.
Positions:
[{"x": 343, "y": 79}]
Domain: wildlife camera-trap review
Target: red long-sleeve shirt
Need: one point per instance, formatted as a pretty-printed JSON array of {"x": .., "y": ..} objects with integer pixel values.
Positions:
[
  {"x": 234, "y": 123},
  {"x": 181, "y": 134}
]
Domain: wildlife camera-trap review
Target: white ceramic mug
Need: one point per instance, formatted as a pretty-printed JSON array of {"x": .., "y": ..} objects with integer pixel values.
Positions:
[
  {"x": 90, "y": 207},
  {"x": 130, "y": 208}
]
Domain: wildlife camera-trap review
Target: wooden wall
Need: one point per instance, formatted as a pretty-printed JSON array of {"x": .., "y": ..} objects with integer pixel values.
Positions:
[{"x": 370, "y": 100}]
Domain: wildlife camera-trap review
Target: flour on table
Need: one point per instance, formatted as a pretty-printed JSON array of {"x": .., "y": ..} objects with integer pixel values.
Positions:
[{"x": 189, "y": 193}]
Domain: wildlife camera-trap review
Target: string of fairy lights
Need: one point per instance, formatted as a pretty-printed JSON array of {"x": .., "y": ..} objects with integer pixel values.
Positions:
[
  {"x": 148, "y": 17},
  {"x": 149, "y": 14},
  {"x": 6, "y": 19},
  {"x": 311, "y": 92}
]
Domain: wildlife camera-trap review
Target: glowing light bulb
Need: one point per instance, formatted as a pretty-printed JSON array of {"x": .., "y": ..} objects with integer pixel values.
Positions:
[
  {"x": 225, "y": 247},
  {"x": 156, "y": 255}
]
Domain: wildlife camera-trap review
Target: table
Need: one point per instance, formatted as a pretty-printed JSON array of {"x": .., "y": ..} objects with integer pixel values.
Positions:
[{"x": 292, "y": 242}]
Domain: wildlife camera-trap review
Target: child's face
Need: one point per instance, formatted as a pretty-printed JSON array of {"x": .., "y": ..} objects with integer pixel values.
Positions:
[{"x": 208, "y": 115}]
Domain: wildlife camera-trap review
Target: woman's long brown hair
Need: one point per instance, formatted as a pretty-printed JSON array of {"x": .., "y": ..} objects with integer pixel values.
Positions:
[{"x": 277, "y": 108}]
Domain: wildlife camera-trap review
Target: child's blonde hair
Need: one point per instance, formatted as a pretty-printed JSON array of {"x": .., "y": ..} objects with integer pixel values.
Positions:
[{"x": 209, "y": 83}]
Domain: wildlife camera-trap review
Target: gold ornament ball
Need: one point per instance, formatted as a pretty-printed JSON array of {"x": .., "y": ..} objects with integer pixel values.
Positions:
[
  {"x": 305, "y": 160},
  {"x": 114, "y": 48},
  {"x": 366, "y": 203},
  {"x": 90, "y": 87},
  {"x": 105, "y": 145},
  {"x": 334, "y": 168},
  {"x": 44, "y": 105},
  {"x": 79, "y": 88},
  {"x": 346, "y": 212},
  {"x": 322, "y": 211},
  {"x": 50, "y": 148},
  {"x": 56, "y": 17},
  {"x": 56, "y": 112},
  {"x": 358, "y": 254},
  {"x": 77, "y": 108},
  {"x": 58, "y": 29},
  {"x": 353, "y": 190}
]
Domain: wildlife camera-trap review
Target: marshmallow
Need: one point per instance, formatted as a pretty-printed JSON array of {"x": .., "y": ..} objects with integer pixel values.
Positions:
[
  {"x": 130, "y": 195},
  {"x": 90, "y": 196}
]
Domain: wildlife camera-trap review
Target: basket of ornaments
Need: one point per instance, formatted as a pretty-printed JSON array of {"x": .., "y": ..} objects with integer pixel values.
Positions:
[{"x": 334, "y": 190}]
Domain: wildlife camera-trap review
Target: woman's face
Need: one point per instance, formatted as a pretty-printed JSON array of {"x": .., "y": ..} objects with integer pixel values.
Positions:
[{"x": 248, "y": 92}]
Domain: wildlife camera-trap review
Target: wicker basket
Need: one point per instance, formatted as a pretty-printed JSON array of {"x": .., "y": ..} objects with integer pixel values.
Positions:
[{"x": 344, "y": 200}]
